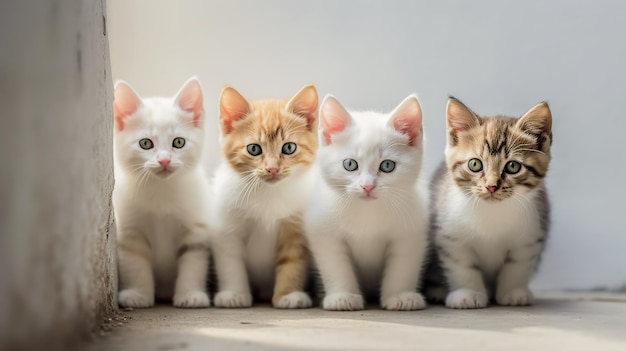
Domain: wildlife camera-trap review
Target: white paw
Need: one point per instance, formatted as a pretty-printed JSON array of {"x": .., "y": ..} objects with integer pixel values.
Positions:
[
  {"x": 515, "y": 297},
  {"x": 296, "y": 299},
  {"x": 436, "y": 294},
  {"x": 191, "y": 299},
  {"x": 232, "y": 299},
  {"x": 343, "y": 302},
  {"x": 466, "y": 298},
  {"x": 135, "y": 299},
  {"x": 404, "y": 301}
]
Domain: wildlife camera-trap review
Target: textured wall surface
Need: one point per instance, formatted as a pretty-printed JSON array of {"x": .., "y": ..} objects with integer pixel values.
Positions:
[
  {"x": 56, "y": 233},
  {"x": 496, "y": 56}
]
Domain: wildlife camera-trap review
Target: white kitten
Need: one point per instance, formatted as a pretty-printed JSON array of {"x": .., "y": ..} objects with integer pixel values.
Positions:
[
  {"x": 367, "y": 220},
  {"x": 160, "y": 198}
]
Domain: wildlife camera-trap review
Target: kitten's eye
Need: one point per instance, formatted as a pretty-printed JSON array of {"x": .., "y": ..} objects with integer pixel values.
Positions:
[
  {"x": 254, "y": 149},
  {"x": 178, "y": 142},
  {"x": 475, "y": 165},
  {"x": 289, "y": 148},
  {"x": 350, "y": 165},
  {"x": 146, "y": 144},
  {"x": 387, "y": 166},
  {"x": 512, "y": 167}
]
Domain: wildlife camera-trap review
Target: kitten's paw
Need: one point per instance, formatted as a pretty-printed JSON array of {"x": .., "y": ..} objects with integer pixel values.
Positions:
[
  {"x": 191, "y": 299},
  {"x": 135, "y": 299},
  {"x": 296, "y": 299},
  {"x": 404, "y": 301},
  {"x": 343, "y": 302},
  {"x": 436, "y": 293},
  {"x": 515, "y": 297},
  {"x": 466, "y": 298},
  {"x": 232, "y": 299}
]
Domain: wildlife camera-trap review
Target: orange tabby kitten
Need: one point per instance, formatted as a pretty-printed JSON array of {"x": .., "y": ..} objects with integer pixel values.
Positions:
[{"x": 261, "y": 191}]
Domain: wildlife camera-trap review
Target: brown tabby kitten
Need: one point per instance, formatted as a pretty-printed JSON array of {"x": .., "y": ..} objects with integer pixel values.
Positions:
[
  {"x": 260, "y": 193},
  {"x": 490, "y": 212}
]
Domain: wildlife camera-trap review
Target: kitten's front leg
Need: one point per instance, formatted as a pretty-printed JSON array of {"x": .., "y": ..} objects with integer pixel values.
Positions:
[
  {"x": 193, "y": 265},
  {"x": 465, "y": 281},
  {"x": 232, "y": 276},
  {"x": 340, "y": 283},
  {"x": 136, "y": 288},
  {"x": 401, "y": 276},
  {"x": 512, "y": 284},
  {"x": 292, "y": 260}
]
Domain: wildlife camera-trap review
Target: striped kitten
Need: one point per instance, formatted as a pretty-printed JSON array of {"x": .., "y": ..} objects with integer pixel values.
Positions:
[
  {"x": 490, "y": 213},
  {"x": 261, "y": 190}
]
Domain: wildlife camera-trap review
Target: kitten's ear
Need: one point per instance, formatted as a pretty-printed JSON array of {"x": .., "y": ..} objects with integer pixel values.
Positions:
[
  {"x": 189, "y": 99},
  {"x": 407, "y": 119},
  {"x": 537, "y": 121},
  {"x": 304, "y": 104},
  {"x": 233, "y": 107},
  {"x": 333, "y": 118},
  {"x": 125, "y": 103},
  {"x": 459, "y": 118}
]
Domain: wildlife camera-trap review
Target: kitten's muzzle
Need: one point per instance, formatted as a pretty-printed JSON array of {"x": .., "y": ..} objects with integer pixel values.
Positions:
[{"x": 272, "y": 175}]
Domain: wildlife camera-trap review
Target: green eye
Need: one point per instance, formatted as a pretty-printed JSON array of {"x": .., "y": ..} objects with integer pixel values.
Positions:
[
  {"x": 350, "y": 165},
  {"x": 475, "y": 165},
  {"x": 254, "y": 149},
  {"x": 387, "y": 166},
  {"x": 289, "y": 148},
  {"x": 178, "y": 142},
  {"x": 146, "y": 144},
  {"x": 512, "y": 167}
]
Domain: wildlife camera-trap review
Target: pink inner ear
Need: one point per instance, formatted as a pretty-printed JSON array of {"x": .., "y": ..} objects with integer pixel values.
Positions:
[
  {"x": 459, "y": 117},
  {"x": 409, "y": 125},
  {"x": 334, "y": 118},
  {"x": 305, "y": 104},
  {"x": 332, "y": 126},
  {"x": 190, "y": 99},
  {"x": 125, "y": 103},
  {"x": 233, "y": 107},
  {"x": 407, "y": 119}
]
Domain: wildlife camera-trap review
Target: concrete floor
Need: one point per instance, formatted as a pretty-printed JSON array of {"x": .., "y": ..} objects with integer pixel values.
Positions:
[{"x": 555, "y": 322}]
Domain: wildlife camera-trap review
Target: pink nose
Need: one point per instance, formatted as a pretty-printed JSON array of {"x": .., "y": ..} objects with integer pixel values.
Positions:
[
  {"x": 368, "y": 188},
  {"x": 272, "y": 170},
  {"x": 491, "y": 188},
  {"x": 164, "y": 162}
]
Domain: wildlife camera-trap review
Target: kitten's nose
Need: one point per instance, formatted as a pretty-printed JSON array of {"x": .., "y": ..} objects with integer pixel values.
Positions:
[
  {"x": 164, "y": 162},
  {"x": 272, "y": 170},
  {"x": 368, "y": 188},
  {"x": 492, "y": 188}
]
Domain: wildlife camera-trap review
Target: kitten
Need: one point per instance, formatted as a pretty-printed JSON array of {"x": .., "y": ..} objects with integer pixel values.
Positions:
[
  {"x": 261, "y": 191},
  {"x": 490, "y": 207},
  {"x": 160, "y": 198},
  {"x": 367, "y": 221}
]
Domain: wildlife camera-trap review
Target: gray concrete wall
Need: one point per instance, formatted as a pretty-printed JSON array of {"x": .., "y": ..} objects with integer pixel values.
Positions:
[
  {"x": 56, "y": 235},
  {"x": 497, "y": 56}
]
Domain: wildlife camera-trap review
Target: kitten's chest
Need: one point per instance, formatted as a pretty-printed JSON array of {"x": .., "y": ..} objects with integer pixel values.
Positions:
[
  {"x": 170, "y": 199},
  {"x": 367, "y": 221},
  {"x": 491, "y": 222}
]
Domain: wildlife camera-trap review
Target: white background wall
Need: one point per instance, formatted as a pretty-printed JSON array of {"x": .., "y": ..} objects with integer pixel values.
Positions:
[{"x": 497, "y": 56}]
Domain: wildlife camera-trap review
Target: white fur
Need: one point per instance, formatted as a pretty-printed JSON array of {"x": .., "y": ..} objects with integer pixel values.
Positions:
[
  {"x": 246, "y": 220},
  {"x": 363, "y": 245},
  {"x": 483, "y": 234},
  {"x": 159, "y": 215}
]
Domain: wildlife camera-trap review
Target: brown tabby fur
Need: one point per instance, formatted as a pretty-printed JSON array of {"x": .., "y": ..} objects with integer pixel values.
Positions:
[{"x": 496, "y": 140}]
